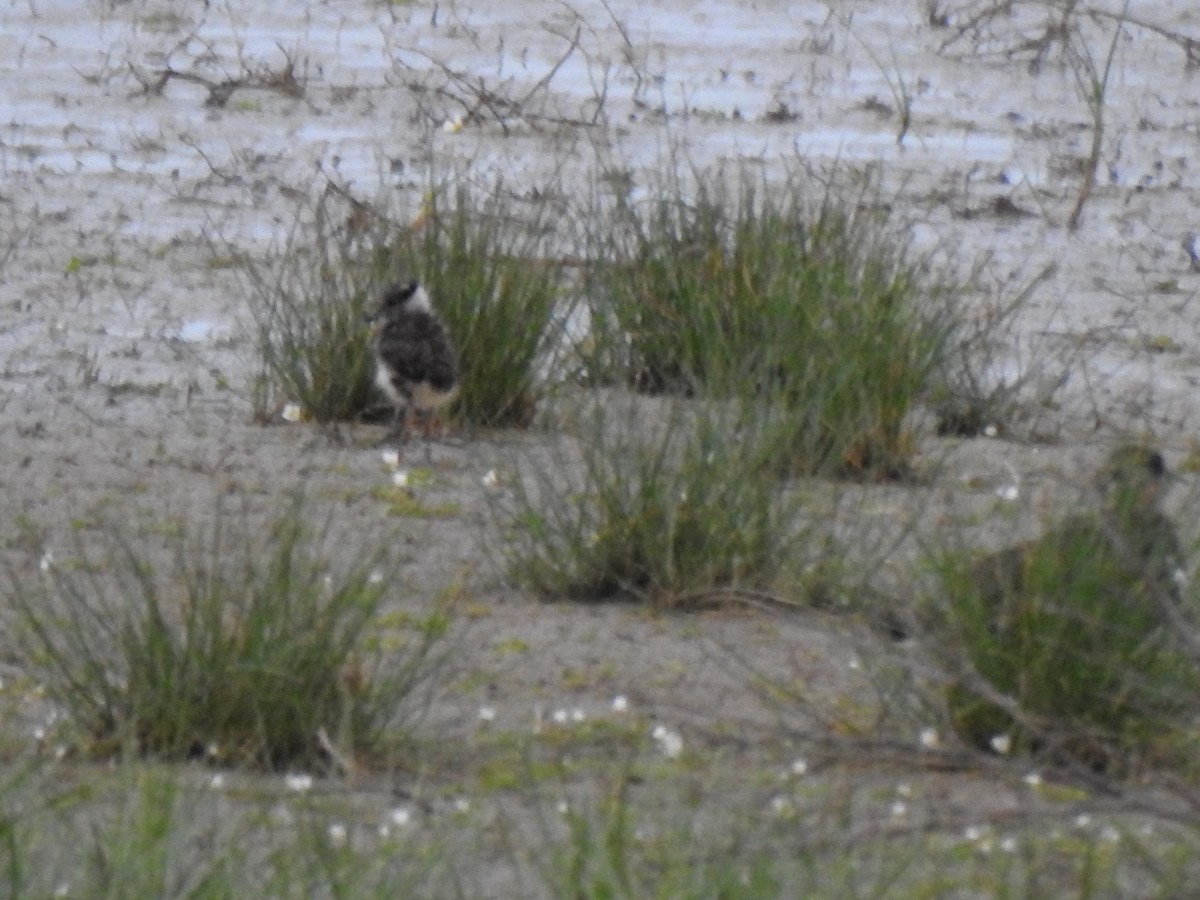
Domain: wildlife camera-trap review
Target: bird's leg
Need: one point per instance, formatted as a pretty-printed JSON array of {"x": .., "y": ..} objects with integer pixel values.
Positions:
[
  {"x": 424, "y": 419},
  {"x": 398, "y": 434},
  {"x": 400, "y": 428},
  {"x": 432, "y": 425},
  {"x": 425, "y": 422}
]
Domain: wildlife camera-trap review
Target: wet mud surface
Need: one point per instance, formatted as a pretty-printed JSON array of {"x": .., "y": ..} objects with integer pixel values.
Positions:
[{"x": 146, "y": 147}]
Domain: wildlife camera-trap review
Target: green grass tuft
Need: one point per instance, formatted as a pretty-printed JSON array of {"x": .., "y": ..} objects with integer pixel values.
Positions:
[
  {"x": 485, "y": 268},
  {"x": 1079, "y": 663},
  {"x": 761, "y": 293},
  {"x": 673, "y": 504},
  {"x": 489, "y": 274},
  {"x": 241, "y": 652},
  {"x": 309, "y": 308}
]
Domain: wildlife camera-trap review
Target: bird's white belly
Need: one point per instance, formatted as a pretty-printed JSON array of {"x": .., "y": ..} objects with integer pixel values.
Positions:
[
  {"x": 426, "y": 396},
  {"x": 384, "y": 379}
]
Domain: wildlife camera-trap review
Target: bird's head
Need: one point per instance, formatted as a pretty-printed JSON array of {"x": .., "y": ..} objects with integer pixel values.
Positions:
[
  {"x": 406, "y": 297},
  {"x": 409, "y": 297},
  {"x": 1134, "y": 478}
]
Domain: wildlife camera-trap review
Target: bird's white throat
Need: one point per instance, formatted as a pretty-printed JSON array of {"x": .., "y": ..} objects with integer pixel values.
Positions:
[
  {"x": 419, "y": 301},
  {"x": 383, "y": 378}
]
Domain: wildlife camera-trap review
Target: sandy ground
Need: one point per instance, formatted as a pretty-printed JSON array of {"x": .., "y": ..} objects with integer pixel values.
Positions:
[{"x": 126, "y": 341}]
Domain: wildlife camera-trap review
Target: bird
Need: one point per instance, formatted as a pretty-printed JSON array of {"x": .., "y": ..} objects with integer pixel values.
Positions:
[
  {"x": 1130, "y": 531},
  {"x": 1075, "y": 625},
  {"x": 416, "y": 366}
]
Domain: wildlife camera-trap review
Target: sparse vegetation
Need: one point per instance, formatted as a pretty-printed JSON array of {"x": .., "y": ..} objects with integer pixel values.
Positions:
[
  {"x": 1079, "y": 645},
  {"x": 673, "y": 504},
  {"x": 1092, "y": 81},
  {"x": 141, "y": 830},
  {"x": 1083, "y": 666},
  {"x": 814, "y": 309},
  {"x": 309, "y": 307},
  {"x": 497, "y": 285},
  {"x": 248, "y": 649},
  {"x": 979, "y": 388},
  {"x": 215, "y": 703},
  {"x": 488, "y": 274}
]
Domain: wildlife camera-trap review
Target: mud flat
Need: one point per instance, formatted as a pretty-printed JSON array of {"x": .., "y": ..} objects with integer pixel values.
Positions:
[{"x": 149, "y": 150}]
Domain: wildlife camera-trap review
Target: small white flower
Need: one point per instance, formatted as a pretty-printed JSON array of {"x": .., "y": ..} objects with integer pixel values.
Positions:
[
  {"x": 292, "y": 412},
  {"x": 563, "y": 807},
  {"x": 400, "y": 478},
  {"x": 39, "y": 734},
  {"x": 46, "y": 562},
  {"x": 1110, "y": 834},
  {"x": 337, "y": 834},
  {"x": 1033, "y": 779},
  {"x": 300, "y": 783},
  {"x": 855, "y": 664},
  {"x": 620, "y": 703},
  {"x": 929, "y": 738},
  {"x": 899, "y": 809},
  {"x": 487, "y": 714},
  {"x": 1001, "y": 743},
  {"x": 63, "y": 890},
  {"x": 491, "y": 480},
  {"x": 781, "y": 806},
  {"x": 453, "y": 126},
  {"x": 1012, "y": 490},
  {"x": 989, "y": 431},
  {"x": 462, "y": 805},
  {"x": 973, "y": 833},
  {"x": 904, "y": 789},
  {"x": 217, "y": 782},
  {"x": 401, "y": 816},
  {"x": 669, "y": 742},
  {"x": 559, "y": 717},
  {"x": 1083, "y": 820},
  {"x": 577, "y": 715},
  {"x": 391, "y": 458},
  {"x": 800, "y": 767},
  {"x": 376, "y": 577},
  {"x": 1009, "y": 844}
]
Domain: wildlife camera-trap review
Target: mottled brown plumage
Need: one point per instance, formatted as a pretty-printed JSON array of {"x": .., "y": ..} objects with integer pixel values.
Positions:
[
  {"x": 1129, "y": 535},
  {"x": 1076, "y": 626}
]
